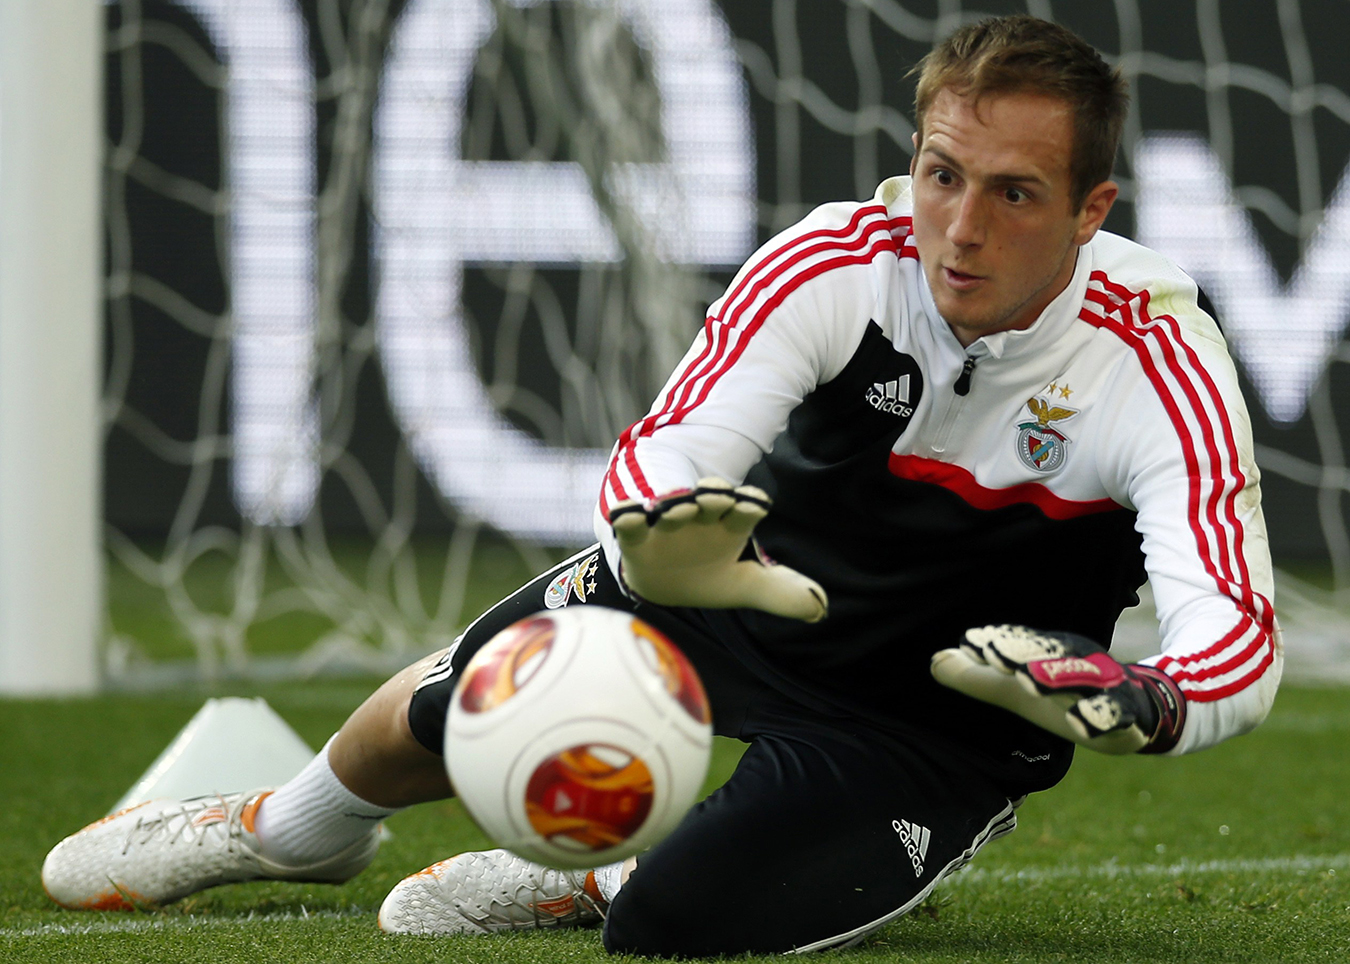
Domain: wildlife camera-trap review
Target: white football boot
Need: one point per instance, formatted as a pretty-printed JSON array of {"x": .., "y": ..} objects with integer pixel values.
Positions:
[
  {"x": 492, "y": 890},
  {"x": 158, "y": 852}
]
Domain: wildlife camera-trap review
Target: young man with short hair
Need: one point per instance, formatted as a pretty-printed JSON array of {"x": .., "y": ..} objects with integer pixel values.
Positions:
[{"x": 973, "y": 412}]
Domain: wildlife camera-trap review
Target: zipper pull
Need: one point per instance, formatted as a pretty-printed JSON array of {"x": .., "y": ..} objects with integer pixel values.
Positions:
[{"x": 962, "y": 386}]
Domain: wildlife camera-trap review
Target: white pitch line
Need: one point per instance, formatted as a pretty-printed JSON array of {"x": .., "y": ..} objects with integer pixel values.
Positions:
[
  {"x": 131, "y": 924},
  {"x": 971, "y": 875},
  {"x": 1110, "y": 869}
]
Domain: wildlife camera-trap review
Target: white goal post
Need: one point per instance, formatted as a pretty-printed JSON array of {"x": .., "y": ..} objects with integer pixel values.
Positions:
[{"x": 51, "y": 604}]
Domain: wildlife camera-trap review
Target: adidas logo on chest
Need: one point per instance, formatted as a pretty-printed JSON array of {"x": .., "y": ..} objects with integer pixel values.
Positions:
[{"x": 891, "y": 397}]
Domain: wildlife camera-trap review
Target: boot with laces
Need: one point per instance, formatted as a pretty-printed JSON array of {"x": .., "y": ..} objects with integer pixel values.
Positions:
[
  {"x": 158, "y": 852},
  {"x": 494, "y": 890}
]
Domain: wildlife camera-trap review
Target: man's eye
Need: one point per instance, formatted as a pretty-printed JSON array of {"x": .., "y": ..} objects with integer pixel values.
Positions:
[
  {"x": 944, "y": 178},
  {"x": 1015, "y": 195}
]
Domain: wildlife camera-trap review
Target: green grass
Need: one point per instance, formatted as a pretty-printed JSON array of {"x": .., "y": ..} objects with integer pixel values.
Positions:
[{"x": 1127, "y": 861}]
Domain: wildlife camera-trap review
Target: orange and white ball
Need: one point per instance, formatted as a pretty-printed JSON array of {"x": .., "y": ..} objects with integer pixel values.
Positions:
[{"x": 578, "y": 737}]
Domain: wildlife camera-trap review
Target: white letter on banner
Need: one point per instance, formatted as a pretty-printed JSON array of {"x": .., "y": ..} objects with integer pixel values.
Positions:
[
  {"x": 434, "y": 213},
  {"x": 269, "y": 170},
  {"x": 1283, "y": 334}
]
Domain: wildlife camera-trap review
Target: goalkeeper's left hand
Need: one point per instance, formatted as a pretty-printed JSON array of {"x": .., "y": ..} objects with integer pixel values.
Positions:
[
  {"x": 1067, "y": 684},
  {"x": 686, "y": 548}
]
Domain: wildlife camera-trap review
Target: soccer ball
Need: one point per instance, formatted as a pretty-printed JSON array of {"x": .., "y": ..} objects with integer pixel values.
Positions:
[{"x": 578, "y": 737}]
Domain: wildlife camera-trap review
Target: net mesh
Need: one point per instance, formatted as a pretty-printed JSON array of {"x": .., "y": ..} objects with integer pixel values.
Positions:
[{"x": 416, "y": 264}]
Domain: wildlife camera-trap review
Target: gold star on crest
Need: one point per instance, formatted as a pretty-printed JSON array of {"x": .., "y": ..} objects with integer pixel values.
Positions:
[{"x": 1064, "y": 392}]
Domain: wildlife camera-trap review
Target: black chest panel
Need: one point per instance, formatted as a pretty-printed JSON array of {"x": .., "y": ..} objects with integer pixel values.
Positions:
[
  {"x": 869, "y": 404},
  {"x": 909, "y": 566}
]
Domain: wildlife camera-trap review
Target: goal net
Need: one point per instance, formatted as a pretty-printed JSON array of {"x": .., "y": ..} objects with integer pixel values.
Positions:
[{"x": 385, "y": 278}]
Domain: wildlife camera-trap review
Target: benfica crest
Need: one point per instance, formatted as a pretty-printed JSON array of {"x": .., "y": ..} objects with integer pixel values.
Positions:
[
  {"x": 1040, "y": 446},
  {"x": 575, "y": 581}
]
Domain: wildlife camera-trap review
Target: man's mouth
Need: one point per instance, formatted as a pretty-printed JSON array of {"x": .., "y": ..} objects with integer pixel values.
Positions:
[{"x": 959, "y": 279}]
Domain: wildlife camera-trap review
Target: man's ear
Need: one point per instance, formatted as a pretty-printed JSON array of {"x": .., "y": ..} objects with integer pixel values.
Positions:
[
  {"x": 1095, "y": 208},
  {"x": 914, "y": 158}
]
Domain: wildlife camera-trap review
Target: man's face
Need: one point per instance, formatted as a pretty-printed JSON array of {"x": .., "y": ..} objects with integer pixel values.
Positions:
[{"x": 993, "y": 221}]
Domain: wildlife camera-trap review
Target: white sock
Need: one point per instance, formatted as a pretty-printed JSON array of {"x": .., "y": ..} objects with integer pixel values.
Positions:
[
  {"x": 313, "y": 816},
  {"x": 608, "y": 879}
]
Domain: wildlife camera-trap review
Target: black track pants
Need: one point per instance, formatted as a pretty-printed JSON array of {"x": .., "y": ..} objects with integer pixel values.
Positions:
[{"x": 829, "y": 827}]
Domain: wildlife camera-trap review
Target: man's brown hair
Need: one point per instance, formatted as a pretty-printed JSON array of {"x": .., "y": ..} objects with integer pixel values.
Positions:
[{"x": 1021, "y": 54}]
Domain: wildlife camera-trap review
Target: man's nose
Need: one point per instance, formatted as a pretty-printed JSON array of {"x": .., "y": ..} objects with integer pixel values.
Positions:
[{"x": 967, "y": 226}]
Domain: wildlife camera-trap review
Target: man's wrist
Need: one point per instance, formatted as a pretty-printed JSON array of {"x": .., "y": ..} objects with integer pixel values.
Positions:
[{"x": 1167, "y": 699}]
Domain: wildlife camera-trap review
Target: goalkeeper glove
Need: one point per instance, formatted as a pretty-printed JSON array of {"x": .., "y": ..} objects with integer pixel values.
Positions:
[
  {"x": 1067, "y": 684},
  {"x": 685, "y": 548}
]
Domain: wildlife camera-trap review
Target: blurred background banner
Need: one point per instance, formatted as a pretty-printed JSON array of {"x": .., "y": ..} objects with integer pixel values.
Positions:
[{"x": 385, "y": 279}]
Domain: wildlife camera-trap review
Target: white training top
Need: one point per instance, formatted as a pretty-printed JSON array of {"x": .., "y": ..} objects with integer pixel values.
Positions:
[{"x": 1121, "y": 398}]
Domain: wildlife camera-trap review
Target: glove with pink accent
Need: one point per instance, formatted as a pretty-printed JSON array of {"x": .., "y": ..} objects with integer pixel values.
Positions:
[
  {"x": 1067, "y": 684},
  {"x": 686, "y": 547}
]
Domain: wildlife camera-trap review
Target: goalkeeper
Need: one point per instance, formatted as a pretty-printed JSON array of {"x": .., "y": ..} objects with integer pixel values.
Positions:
[{"x": 924, "y": 451}]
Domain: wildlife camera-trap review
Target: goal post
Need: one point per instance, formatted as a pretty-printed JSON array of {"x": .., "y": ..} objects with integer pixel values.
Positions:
[{"x": 51, "y": 605}]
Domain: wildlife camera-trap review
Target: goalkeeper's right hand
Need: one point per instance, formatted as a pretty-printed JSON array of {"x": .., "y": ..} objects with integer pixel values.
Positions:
[
  {"x": 1069, "y": 685},
  {"x": 685, "y": 548}
]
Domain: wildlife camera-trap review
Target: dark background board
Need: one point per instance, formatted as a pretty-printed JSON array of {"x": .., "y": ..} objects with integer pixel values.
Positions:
[{"x": 179, "y": 245}]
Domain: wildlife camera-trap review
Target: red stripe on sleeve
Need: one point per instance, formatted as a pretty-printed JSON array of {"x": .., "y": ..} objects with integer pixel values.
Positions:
[
  {"x": 1240, "y": 581},
  {"x": 1244, "y": 623},
  {"x": 1164, "y": 333},
  {"x": 766, "y": 263},
  {"x": 1264, "y": 611},
  {"x": 727, "y": 336},
  {"x": 1182, "y": 373},
  {"x": 883, "y": 243},
  {"x": 1134, "y": 340},
  {"x": 1188, "y": 668},
  {"x": 1237, "y": 685}
]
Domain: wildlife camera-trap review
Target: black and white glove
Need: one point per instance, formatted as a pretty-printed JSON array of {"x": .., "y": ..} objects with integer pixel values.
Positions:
[
  {"x": 685, "y": 549},
  {"x": 1067, "y": 684}
]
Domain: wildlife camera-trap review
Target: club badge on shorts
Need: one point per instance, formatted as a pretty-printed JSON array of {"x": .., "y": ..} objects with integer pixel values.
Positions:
[
  {"x": 576, "y": 580},
  {"x": 1040, "y": 446}
]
